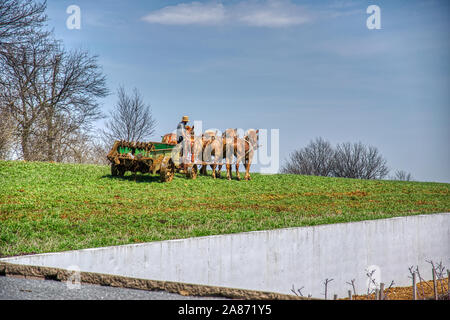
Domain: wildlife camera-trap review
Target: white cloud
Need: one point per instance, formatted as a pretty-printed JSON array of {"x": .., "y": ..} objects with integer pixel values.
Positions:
[
  {"x": 269, "y": 13},
  {"x": 188, "y": 13},
  {"x": 340, "y": 4},
  {"x": 272, "y": 13}
]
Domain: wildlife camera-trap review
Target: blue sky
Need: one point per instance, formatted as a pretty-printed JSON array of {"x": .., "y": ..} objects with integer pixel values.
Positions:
[{"x": 307, "y": 68}]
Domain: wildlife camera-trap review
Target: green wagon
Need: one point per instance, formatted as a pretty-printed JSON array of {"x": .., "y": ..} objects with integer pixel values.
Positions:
[{"x": 146, "y": 157}]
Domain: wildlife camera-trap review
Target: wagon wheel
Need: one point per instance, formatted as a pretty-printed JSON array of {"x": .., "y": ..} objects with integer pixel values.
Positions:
[
  {"x": 114, "y": 170},
  {"x": 121, "y": 171},
  {"x": 167, "y": 171},
  {"x": 192, "y": 172}
]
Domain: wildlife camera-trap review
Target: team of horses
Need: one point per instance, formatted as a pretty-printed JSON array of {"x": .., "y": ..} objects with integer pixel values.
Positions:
[{"x": 218, "y": 150}]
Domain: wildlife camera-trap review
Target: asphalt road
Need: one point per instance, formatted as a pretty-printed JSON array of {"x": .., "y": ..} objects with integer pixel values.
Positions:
[{"x": 30, "y": 289}]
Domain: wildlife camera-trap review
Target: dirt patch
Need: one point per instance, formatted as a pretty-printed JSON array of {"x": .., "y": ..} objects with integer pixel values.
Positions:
[
  {"x": 356, "y": 193},
  {"x": 425, "y": 291},
  {"x": 421, "y": 203}
]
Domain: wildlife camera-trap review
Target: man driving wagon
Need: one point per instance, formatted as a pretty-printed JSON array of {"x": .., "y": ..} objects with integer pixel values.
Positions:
[{"x": 184, "y": 140}]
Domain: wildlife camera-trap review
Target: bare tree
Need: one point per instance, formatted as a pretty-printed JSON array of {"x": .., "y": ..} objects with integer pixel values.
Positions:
[
  {"x": 298, "y": 290},
  {"x": 68, "y": 92},
  {"x": 18, "y": 18},
  {"x": 19, "y": 66},
  {"x": 348, "y": 160},
  {"x": 131, "y": 119},
  {"x": 314, "y": 159},
  {"x": 49, "y": 91},
  {"x": 6, "y": 133},
  {"x": 352, "y": 283},
  {"x": 325, "y": 283},
  {"x": 98, "y": 152},
  {"x": 356, "y": 160},
  {"x": 402, "y": 175},
  {"x": 20, "y": 21},
  {"x": 80, "y": 147}
]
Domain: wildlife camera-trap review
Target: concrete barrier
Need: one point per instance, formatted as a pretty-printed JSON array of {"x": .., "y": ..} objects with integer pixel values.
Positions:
[{"x": 275, "y": 260}]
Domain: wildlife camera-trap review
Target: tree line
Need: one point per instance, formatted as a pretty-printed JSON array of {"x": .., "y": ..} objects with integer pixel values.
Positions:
[{"x": 345, "y": 160}]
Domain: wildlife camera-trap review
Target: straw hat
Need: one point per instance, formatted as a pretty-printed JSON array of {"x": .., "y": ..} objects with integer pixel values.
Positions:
[{"x": 185, "y": 118}]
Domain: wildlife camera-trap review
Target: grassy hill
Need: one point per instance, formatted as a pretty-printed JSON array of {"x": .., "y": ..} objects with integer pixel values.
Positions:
[{"x": 55, "y": 207}]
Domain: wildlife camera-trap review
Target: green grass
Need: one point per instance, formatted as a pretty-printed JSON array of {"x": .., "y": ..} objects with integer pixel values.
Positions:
[{"x": 48, "y": 207}]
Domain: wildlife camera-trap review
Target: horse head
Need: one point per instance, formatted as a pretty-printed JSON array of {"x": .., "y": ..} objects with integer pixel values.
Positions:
[
  {"x": 170, "y": 138},
  {"x": 252, "y": 136},
  {"x": 230, "y": 133}
]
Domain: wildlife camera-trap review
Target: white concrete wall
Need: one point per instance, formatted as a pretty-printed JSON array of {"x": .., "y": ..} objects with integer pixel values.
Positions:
[{"x": 274, "y": 260}]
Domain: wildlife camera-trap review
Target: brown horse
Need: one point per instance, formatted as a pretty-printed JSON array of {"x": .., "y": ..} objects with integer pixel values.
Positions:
[
  {"x": 242, "y": 149},
  {"x": 231, "y": 146},
  {"x": 171, "y": 138},
  {"x": 203, "y": 148},
  {"x": 206, "y": 147},
  {"x": 197, "y": 146},
  {"x": 213, "y": 148},
  {"x": 251, "y": 139},
  {"x": 200, "y": 148}
]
